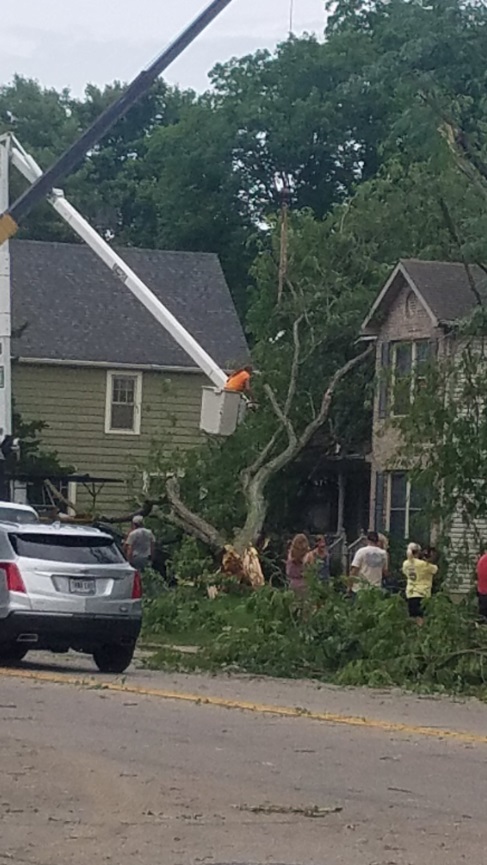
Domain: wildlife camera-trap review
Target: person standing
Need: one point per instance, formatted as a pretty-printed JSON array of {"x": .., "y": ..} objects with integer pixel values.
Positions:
[
  {"x": 295, "y": 564},
  {"x": 419, "y": 573},
  {"x": 320, "y": 557},
  {"x": 482, "y": 585},
  {"x": 139, "y": 545},
  {"x": 369, "y": 566}
]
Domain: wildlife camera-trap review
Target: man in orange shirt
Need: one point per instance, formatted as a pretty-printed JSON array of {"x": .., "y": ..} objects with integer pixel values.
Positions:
[{"x": 239, "y": 381}]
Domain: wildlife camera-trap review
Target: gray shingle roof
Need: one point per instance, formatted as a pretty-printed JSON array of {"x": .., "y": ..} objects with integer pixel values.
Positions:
[
  {"x": 76, "y": 310},
  {"x": 445, "y": 286}
]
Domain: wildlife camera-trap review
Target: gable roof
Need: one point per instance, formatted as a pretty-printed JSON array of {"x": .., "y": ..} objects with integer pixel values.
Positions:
[
  {"x": 443, "y": 287},
  {"x": 75, "y": 309}
]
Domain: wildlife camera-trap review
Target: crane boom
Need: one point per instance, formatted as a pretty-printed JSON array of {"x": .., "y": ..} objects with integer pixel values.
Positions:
[
  {"x": 11, "y": 218},
  {"x": 25, "y": 163}
]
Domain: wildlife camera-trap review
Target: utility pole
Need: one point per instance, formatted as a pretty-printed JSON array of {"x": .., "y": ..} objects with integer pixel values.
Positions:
[{"x": 5, "y": 326}]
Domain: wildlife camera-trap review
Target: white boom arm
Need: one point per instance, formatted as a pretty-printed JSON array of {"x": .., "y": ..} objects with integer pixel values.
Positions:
[
  {"x": 31, "y": 171},
  {"x": 5, "y": 336}
]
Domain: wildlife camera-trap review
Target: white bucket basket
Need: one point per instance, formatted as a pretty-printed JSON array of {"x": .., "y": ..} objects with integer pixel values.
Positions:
[{"x": 221, "y": 411}]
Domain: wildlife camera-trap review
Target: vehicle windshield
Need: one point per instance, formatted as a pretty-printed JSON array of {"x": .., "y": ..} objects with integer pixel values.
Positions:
[
  {"x": 74, "y": 549},
  {"x": 17, "y": 515}
]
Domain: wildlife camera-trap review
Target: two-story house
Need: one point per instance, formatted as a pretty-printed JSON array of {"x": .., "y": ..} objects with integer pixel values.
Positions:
[
  {"x": 414, "y": 318},
  {"x": 93, "y": 365}
]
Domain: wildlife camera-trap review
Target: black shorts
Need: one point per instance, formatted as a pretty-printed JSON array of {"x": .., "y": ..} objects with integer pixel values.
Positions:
[
  {"x": 483, "y": 605},
  {"x": 415, "y": 606}
]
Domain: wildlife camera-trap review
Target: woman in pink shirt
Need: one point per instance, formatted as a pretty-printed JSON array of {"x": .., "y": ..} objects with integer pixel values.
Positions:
[{"x": 295, "y": 564}]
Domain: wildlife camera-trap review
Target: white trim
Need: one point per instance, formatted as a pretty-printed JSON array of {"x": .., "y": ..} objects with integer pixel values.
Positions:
[
  {"x": 72, "y": 491},
  {"x": 104, "y": 364},
  {"x": 137, "y": 376},
  {"x": 399, "y": 269},
  {"x": 407, "y": 505},
  {"x": 148, "y": 476}
]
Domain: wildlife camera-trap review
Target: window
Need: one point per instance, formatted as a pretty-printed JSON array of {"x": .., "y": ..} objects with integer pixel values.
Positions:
[
  {"x": 41, "y": 495},
  {"x": 18, "y": 515},
  {"x": 405, "y": 508},
  {"x": 153, "y": 484},
  {"x": 409, "y": 362},
  {"x": 86, "y": 550},
  {"x": 123, "y": 405}
]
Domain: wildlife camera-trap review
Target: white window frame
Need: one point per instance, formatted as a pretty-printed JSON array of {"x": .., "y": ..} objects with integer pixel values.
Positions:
[
  {"x": 414, "y": 365},
  {"x": 407, "y": 508},
  {"x": 137, "y": 376}
]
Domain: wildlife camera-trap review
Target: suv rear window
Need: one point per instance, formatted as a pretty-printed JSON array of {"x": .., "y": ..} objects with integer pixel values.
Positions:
[
  {"x": 17, "y": 515},
  {"x": 63, "y": 548}
]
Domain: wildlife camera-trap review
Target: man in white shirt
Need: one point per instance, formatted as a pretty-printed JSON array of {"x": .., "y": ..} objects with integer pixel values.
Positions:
[
  {"x": 369, "y": 566},
  {"x": 139, "y": 546}
]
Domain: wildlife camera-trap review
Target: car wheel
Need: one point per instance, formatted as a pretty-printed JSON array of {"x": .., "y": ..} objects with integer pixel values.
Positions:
[
  {"x": 12, "y": 652},
  {"x": 113, "y": 658}
]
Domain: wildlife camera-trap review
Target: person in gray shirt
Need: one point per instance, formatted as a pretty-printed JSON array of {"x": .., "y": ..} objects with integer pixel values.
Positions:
[{"x": 139, "y": 545}]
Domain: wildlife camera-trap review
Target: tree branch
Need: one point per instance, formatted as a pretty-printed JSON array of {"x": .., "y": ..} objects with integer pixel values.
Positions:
[
  {"x": 280, "y": 414},
  {"x": 193, "y": 524},
  {"x": 292, "y": 450},
  {"x": 293, "y": 379},
  {"x": 283, "y": 258},
  {"x": 283, "y": 415},
  {"x": 257, "y": 505},
  {"x": 340, "y": 374},
  {"x": 452, "y": 229},
  {"x": 468, "y": 160}
]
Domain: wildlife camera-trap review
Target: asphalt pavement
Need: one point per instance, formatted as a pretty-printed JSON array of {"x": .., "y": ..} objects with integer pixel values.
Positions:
[{"x": 162, "y": 769}]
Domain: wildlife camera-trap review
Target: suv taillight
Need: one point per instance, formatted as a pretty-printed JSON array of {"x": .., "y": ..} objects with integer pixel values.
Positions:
[
  {"x": 137, "y": 587},
  {"x": 15, "y": 582}
]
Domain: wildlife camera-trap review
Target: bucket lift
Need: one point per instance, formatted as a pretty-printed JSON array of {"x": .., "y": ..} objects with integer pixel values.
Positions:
[{"x": 221, "y": 410}]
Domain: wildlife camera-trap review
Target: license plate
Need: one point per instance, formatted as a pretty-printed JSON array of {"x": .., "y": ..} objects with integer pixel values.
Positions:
[{"x": 82, "y": 587}]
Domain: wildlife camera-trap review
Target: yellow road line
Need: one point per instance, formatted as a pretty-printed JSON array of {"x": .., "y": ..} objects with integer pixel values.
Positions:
[{"x": 246, "y": 706}]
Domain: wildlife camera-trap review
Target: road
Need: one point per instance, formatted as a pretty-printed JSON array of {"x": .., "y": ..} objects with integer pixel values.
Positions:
[{"x": 183, "y": 770}]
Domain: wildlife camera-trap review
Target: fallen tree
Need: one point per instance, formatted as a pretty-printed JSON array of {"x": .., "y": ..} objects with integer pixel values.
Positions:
[{"x": 312, "y": 383}]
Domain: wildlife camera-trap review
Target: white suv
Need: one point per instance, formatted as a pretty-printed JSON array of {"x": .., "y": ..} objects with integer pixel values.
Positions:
[
  {"x": 66, "y": 587},
  {"x": 13, "y": 513}
]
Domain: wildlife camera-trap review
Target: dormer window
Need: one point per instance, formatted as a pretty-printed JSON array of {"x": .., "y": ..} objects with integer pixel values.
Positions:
[{"x": 411, "y": 305}]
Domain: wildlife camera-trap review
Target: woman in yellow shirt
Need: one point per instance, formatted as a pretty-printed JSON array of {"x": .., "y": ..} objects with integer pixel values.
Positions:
[{"x": 419, "y": 573}]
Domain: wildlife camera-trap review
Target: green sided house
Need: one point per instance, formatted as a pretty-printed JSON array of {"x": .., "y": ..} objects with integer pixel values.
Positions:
[{"x": 93, "y": 364}]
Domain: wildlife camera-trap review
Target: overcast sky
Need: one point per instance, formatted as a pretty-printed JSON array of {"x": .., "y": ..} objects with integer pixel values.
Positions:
[{"x": 69, "y": 43}]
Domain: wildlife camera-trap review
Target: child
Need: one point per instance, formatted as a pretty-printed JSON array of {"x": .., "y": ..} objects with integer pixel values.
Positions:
[{"x": 419, "y": 573}]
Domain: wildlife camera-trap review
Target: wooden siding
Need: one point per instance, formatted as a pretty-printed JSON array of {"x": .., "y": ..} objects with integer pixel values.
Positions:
[
  {"x": 72, "y": 400},
  {"x": 466, "y": 541}
]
